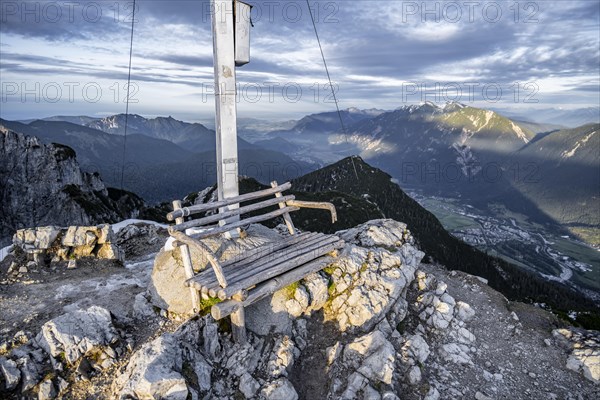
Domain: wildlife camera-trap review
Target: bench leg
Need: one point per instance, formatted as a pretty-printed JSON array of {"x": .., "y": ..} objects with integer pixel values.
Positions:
[
  {"x": 238, "y": 325},
  {"x": 187, "y": 264}
]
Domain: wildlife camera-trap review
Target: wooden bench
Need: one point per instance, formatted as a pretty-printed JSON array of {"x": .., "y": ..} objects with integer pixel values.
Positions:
[{"x": 256, "y": 273}]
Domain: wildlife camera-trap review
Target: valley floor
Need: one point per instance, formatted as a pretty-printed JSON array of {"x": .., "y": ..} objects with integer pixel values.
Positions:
[{"x": 512, "y": 237}]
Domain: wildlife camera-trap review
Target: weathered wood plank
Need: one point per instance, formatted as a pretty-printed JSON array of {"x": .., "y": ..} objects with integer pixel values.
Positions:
[
  {"x": 286, "y": 216},
  {"x": 288, "y": 265},
  {"x": 242, "y": 210},
  {"x": 281, "y": 257},
  {"x": 269, "y": 252},
  {"x": 316, "y": 204},
  {"x": 187, "y": 266},
  {"x": 225, "y": 308},
  {"x": 186, "y": 211},
  {"x": 205, "y": 278},
  {"x": 205, "y": 251},
  {"x": 257, "y": 252}
]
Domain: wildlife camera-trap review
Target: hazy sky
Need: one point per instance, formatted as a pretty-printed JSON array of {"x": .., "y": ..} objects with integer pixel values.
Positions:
[{"x": 70, "y": 57}]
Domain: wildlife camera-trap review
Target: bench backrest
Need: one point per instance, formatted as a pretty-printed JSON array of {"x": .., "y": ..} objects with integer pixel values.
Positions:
[{"x": 232, "y": 207}]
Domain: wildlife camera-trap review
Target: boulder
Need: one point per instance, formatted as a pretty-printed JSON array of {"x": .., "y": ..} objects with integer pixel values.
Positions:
[
  {"x": 110, "y": 251},
  {"x": 377, "y": 357},
  {"x": 378, "y": 233},
  {"x": 281, "y": 389},
  {"x": 248, "y": 385},
  {"x": 414, "y": 375},
  {"x": 416, "y": 348},
  {"x": 463, "y": 311},
  {"x": 142, "y": 309},
  {"x": 46, "y": 390},
  {"x": 30, "y": 372},
  {"x": 11, "y": 373},
  {"x": 78, "y": 333},
  {"x": 154, "y": 372},
  {"x": 585, "y": 351},
  {"x": 586, "y": 361},
  {"x": 167, "y": 289},
  {"x": 281, "y": 359},
  {"x": 456, "y": 353}
]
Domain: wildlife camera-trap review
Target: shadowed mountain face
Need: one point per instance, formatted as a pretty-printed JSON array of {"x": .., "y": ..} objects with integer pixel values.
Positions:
[
  {"x": 42, "y": 184},
  {"x": 158, "y": 169},
  {"x": 565, "y": 176},
  {"x": 327, "y": 122}
]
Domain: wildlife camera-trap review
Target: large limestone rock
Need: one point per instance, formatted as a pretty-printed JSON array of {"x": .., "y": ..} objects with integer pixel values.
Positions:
[
  {"x": 80, "y": 333},
  {"x": 167, "y": 290},
  {"x": 154, "y": 372},
  {"x": 159, "y": 368},
  {"x": 281, "y": 389},
  {"x": 357, "y": 291},
  {"x": 369, "y": 283},
  {"x": 585, "y": 351}
]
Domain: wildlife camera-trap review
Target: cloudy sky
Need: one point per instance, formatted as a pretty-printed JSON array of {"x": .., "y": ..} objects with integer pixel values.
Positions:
[{"x": 70, "y": 57}]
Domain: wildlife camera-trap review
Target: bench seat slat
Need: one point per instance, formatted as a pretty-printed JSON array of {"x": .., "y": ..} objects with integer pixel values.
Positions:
[
  {"x": 256, "y": 271},
  {"x": 266, "y": 253},
  {"x": 262, "y": 272},
  {"x": 257, "y": 252},
  {"x": 285, "y": 266},
  {"x": 261, "y": 291},
  {"x": 273, "y": 261},
  {"x": 184, "y": 212}
]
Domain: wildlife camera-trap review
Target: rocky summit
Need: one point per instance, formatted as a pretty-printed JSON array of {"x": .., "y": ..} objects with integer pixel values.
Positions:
[{"x": 377, "y": 323}]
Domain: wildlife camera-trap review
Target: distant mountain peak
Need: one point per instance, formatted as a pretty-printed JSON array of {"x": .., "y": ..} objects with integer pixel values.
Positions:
[{"x": 453, "y": 106}]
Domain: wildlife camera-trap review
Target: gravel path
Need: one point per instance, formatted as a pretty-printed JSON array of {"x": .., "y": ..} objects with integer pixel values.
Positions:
[{"x": 516, "y": 356}]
